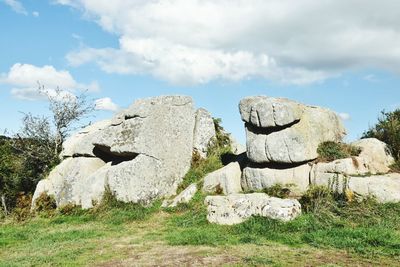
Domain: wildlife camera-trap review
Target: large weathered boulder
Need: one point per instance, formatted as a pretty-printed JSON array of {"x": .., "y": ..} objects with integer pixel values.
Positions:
[
  {"x": 81, "y": 143},
  {"x": 183, "y": 197},
  {"x": 159, "y": 127},
  {"x": 236, "y": 208},
  {"x": 375, "y": 154},
  {"x": 204, "y": 132},
  {"x": 148, "y": 149},
  {"x": 68, "y": 181},
  {"x": 385, "y": 188},
  {"x": 283, "y": 131},
  {"x": 297, "y": 178},
  {"x": 225, "y": 180}
]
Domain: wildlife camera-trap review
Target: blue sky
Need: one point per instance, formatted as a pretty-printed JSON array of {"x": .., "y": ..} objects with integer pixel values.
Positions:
[{"x": 347, "y": 59}]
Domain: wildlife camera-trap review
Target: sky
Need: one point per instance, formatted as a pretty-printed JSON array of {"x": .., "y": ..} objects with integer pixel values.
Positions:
[{"x": 339, "y": 54}]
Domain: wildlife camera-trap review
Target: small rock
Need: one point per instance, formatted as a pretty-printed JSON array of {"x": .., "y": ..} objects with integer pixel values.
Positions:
[
  {"x": 225, "y": 180},
  {"x": 184, "y": 197},
  {"x": 236, "y": 208}
]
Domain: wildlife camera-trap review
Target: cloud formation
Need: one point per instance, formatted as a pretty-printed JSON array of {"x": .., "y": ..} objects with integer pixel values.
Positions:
[
  {"x": 105, "y": 104},
  {"x": 195, "y": 41},
  {"x": 16, "y": 6},
  {"x": 26, "y": 80},
  {"x": 344, "y": 116}
]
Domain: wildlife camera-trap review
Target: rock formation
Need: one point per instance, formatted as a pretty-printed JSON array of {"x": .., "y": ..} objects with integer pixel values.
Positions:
[{"x": 141, "y": 154}]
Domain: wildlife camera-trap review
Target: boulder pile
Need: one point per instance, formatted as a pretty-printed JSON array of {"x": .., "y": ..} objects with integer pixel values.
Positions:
[
  {"x": 143, "y": 153},
  {"x": 282, "y": 138}
]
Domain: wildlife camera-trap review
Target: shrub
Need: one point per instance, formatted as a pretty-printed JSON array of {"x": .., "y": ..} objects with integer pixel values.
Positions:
[
  {"x": 45, "y": 203},
  {"x": 22, "y": 209},
  {"x": 278, "y": 190},
  {"x": 329, "y": 151}
]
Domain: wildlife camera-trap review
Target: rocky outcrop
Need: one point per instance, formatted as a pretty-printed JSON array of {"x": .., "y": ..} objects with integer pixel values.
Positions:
[
  {"x": 375, "y": 158},
  {"x": 236, "y": 208},
  {"x": 282, "y": 141},
  {"x": 204, "y": 132},
  {"x": 384, "y": 188},
  {"x": 184, "y": 197},
  {"x": 141, "y": 154},
  {"x": 283, "y": 131},
  {"x": 225, "y": 180}
]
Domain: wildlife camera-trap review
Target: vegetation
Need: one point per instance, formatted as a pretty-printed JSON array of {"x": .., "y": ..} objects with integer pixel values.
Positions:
[
  {"x": 30, "y": 154},
  {"x": 387, "y": 129},
  {"x": 329, "y": 151}
]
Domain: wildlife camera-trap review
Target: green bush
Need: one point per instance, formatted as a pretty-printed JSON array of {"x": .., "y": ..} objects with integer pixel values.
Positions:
[
  {"x": 329, "y": 151},
  {"x": 45, "y": 203}
]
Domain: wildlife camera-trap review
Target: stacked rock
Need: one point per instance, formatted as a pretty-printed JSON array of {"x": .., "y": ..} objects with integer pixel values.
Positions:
[{"x": 282, "y": 139}]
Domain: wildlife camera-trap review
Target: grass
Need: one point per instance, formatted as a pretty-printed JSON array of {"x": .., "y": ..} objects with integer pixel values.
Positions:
[{"x": 354, "y": 233}]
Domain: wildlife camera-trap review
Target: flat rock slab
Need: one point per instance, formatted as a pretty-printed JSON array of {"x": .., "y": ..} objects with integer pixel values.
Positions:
[
  {"x": 296, "y": 178},
  {"x": 384, "y": 188},
  {"x": 237, "y": 208}
]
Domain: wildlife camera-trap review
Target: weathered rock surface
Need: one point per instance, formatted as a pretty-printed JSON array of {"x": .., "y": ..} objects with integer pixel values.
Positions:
[
  {"x": 204, "y": 132},
  {"x": 266, "y": 112},
  {"x": 95, "y": 189},
  {"x": 236, "y": 208},
  {"x": 283, "y": 131},
  {"x": 140, "y": 180},
  {"x": 297, "y": 178},
  {"x": 184, "y": 197},
  {"x": 375, "y": 154},
  {"x": 385, "y": 188},
  {"x": 375, "y": 158},
  {"x": 148, "y": 148},
  {"x": 68, "y": 181},
  {"x": 81, "y": 143},
  {"x": 226, "y": 179}
]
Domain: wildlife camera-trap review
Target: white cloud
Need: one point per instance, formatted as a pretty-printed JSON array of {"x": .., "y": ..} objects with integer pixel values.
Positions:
[
  {"x": 344, "y": 116},
  {"x": 370, "y": 78},
  {"x": 16, "y": 6},
  {"x": 35, "y": 14},
  {"x": 106, "y": 104},
  {"x": 26, "y": 79},
  {"x": 193, "y": 41}
]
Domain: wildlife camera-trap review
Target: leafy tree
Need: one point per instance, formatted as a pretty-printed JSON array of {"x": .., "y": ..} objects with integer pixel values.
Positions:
[{"x": 31, "y": 153}]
